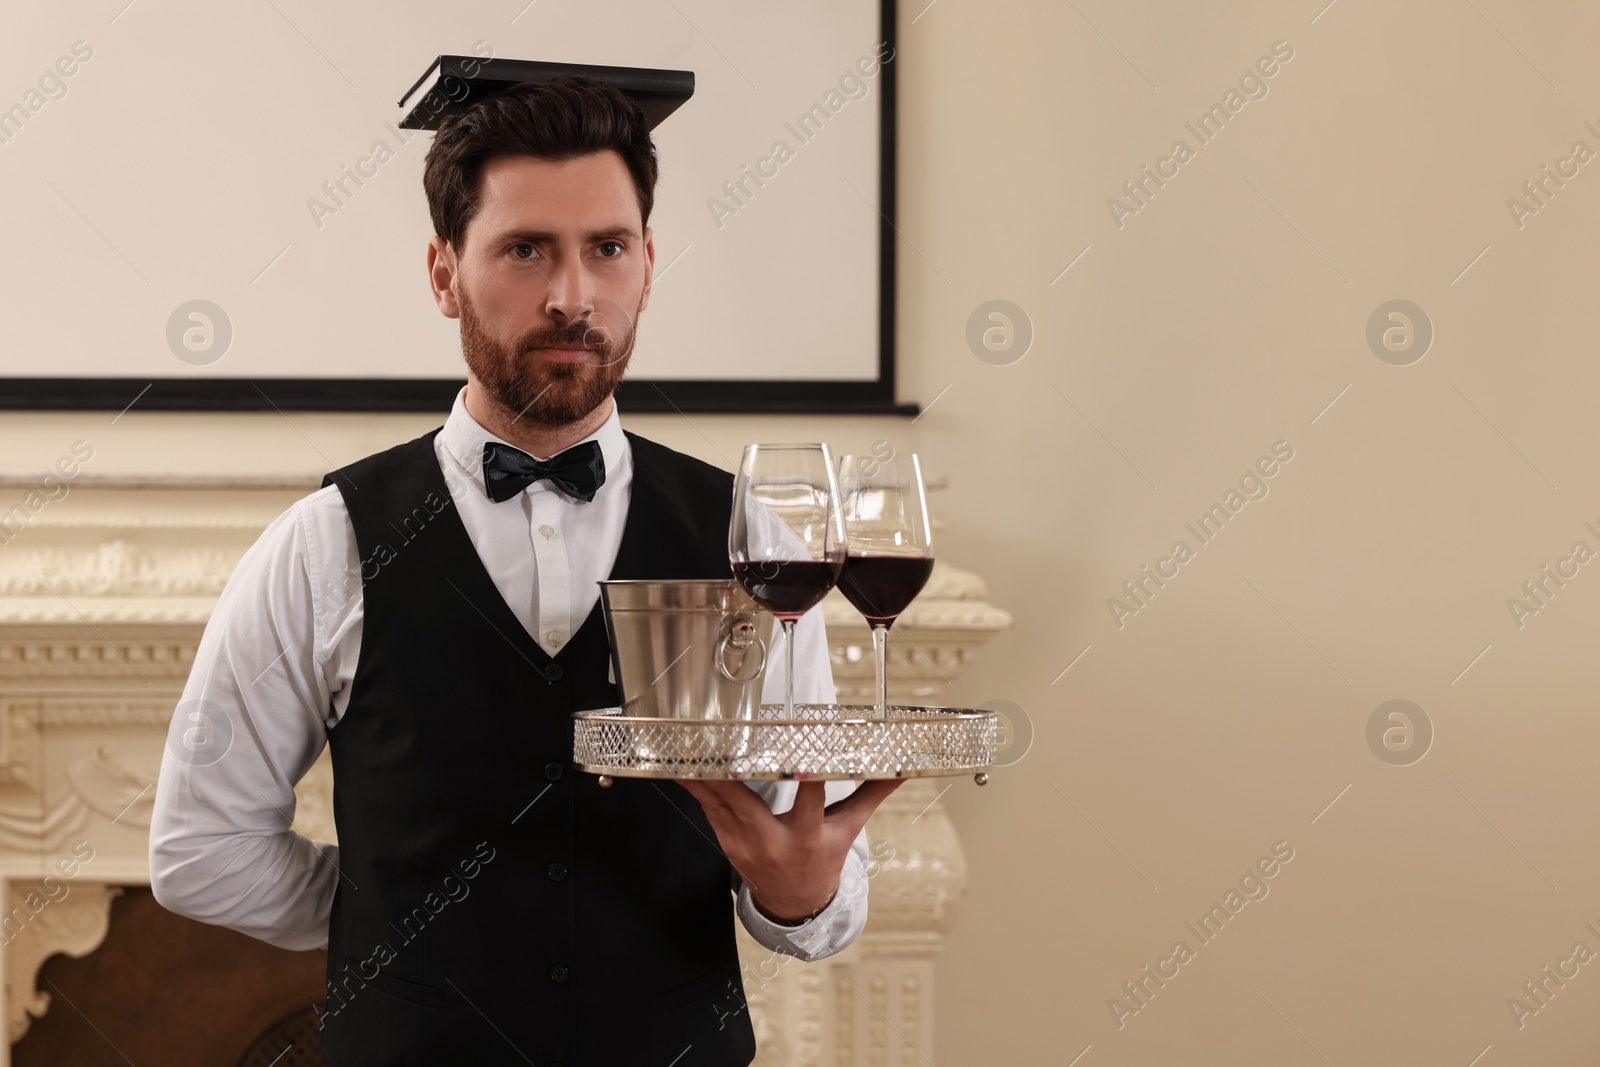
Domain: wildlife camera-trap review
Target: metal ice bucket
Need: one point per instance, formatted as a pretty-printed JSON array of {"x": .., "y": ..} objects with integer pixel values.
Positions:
[{"x": 686, "y": 648}]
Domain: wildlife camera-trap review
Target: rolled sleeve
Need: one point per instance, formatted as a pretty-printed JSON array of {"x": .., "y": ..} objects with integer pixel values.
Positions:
[{"x": 832, "y": 929}]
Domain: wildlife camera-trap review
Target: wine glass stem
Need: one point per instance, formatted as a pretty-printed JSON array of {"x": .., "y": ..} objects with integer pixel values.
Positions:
[
  {"x": 880, "y": 658},
  {"x": 788, "y": 674}
]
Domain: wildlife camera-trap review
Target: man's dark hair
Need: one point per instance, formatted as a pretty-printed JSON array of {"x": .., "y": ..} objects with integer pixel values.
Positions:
[{"x": 556, "y": 120}]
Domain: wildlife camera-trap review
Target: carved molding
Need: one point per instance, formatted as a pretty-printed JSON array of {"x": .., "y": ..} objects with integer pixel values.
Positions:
[
  {"x": 113, "y": 779},
  {"x": 130, "y": 557},
  {"x": 118, "y": 787},
  {"x": 29, "y": 827},
  {"x": 100, "y": 785},
  {"x": 116, "y": 568},
  {"x": 75, "y": 923},
  {"x": 84, "y": 714},
  {"x": 138, "y": 654}
]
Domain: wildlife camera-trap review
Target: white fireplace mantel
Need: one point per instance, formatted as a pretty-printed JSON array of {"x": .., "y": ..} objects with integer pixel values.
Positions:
[{"x": 103, "y": 598}]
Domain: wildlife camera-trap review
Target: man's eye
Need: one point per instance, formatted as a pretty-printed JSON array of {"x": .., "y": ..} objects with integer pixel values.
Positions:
[
  {"x": 611, "y": 244},
  {"x": 516, "y": 250}
]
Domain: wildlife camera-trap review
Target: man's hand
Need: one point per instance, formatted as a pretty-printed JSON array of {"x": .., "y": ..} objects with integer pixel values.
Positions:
[{"x": 791, "y": 862}]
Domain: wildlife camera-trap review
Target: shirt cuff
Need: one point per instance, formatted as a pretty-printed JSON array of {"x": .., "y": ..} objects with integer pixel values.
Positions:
[{"x": 827, "y": 932}]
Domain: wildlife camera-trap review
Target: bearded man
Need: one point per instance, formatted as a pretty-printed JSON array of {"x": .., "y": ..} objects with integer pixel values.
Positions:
[{"x": 431, "y": 615}]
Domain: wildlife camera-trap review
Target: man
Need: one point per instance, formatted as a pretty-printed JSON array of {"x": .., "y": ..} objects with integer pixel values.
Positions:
[{"x": 431, "y": 615}]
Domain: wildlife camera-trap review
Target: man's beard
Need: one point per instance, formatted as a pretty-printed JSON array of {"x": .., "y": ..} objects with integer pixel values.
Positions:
[{"x": 546, "y": 391}]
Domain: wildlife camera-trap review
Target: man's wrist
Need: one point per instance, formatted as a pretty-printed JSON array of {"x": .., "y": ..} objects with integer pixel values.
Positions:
[{"x": 783, "y": 921}]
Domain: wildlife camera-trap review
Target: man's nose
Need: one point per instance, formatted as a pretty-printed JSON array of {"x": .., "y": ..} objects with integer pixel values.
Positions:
[{"x": 571, "y": 293}]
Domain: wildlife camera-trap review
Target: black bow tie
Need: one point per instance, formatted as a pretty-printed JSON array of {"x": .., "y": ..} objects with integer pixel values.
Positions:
[{"x": 579, "y": 471}]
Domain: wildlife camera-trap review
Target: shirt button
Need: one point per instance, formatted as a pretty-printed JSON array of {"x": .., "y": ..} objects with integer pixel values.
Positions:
[
  {"x": 548, "y": 530},
  {"x": 554, "y": 673},
  {"x": 557, "y": 871},
  {"x": 558, "y": 972},
  {"x": 554, "y": 637},
  {"x": 553, "y": 771}
]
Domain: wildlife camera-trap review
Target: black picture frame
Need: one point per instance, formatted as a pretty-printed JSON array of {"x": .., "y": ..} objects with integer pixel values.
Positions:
[{"x": 876, "y": 397}]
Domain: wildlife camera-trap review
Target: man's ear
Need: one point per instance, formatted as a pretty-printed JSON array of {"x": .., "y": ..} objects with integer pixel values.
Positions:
[
  {"x": 442, "y": 269},
  {"x": 649, "y": 266}
]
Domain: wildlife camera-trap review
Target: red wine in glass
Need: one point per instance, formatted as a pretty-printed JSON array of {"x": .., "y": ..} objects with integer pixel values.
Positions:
[
  {"x": 888, "y": 539},
  {"x": 881, "y": 587},
  {"x": 787, "y": 588},
  {"x": 786, "y": 542}
]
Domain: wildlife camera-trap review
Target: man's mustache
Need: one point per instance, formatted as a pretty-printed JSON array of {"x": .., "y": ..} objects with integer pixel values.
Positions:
[{"x": 586, "y": 334}]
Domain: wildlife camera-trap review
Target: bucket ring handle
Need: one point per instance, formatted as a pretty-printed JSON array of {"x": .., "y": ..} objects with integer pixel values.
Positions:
[{"x": 739, "y": 633}]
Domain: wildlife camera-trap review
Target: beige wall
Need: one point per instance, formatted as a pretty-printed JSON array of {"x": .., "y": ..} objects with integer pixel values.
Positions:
[{"x": 1225, "y": 716}]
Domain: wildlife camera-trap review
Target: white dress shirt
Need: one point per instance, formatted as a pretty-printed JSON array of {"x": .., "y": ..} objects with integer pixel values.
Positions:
[{"x": 279, "y": 653}]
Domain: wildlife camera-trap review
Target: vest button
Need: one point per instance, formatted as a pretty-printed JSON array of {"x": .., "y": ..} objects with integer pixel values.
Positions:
[
  {"x": 553, "y": 771},
  {"x": 558, "y": 972},
  {"x": 554, "y": 673},
  {"x": 557, "y": 871}
]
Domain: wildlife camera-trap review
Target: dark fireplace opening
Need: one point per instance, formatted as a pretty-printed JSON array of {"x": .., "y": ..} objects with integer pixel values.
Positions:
[{"x": 169, "y": 990}]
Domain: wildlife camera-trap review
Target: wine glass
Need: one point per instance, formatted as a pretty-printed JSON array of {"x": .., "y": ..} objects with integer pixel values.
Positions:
[
  {"x": 786, "y": 538},
  {"x": 889, "y": 539}
]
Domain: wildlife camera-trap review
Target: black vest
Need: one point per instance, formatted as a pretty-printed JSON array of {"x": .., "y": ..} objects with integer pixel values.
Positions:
[{"x": 495, "y": 905}]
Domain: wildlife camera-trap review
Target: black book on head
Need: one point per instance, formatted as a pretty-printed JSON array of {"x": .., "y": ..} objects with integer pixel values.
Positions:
[{"x": 454, "y": 81}]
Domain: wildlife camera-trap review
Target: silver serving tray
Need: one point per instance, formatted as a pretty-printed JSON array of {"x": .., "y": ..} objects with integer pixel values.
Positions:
[{"x": 822, "y": 741}]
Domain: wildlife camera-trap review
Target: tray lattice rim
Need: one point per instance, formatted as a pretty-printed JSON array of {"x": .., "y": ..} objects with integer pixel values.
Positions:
[{"x": 822, "y": 741}]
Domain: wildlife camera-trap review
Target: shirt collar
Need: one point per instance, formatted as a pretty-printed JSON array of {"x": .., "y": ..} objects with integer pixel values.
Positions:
[{"x": 463, "y": 438}]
